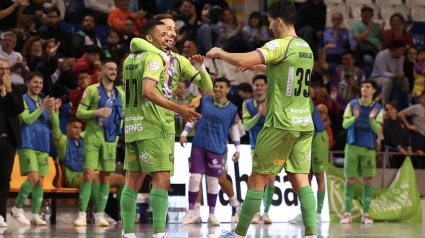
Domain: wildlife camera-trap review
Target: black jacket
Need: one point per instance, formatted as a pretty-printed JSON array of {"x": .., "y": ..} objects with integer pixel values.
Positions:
[
  {"x": 14, "y": 107},
  {"x": 310, "y": 14},
  {"x": 396, "y": 134}
]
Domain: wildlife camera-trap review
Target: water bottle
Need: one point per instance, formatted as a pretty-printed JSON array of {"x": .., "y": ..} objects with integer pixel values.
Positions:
[
  {"x": 103, "y": 121},
  {"x": 137, "y": 214},
  {"x": 46, "y": 212}
]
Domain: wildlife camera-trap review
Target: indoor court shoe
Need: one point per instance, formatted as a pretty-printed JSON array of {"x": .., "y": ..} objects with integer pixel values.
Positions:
[
  {"x": 366, "y": 219},
  {"x": 99, "y": 220},
  {"x": 297, "y": 220},
  {"x": 190, "y": 218},
  {"x": 226, "y": 234},
  {"x": 37, "y": 220},
  {"x": 213, "y": 221},
  {"x": 310, "y": 236},
  {"x": 266, "y": 219},
  {"x": 130, "y": 235},
  {"x": 318, "y": 219},
  {"x": 2, "y": 222},
  {"x": 160, "y": 235},
  {"x": 19, "y": 215},
  {"x": 81, "y": 220},
  {"x": 256, "y": 219},
  {"x": 347, "y": 219},
  {"x": 109, "y": 219}
]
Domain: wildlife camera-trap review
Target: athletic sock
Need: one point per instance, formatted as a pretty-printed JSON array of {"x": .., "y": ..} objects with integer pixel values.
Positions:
[
  {"x": 159, "y": 203},
  {"x": 234, "y": 201},
  {"x": 119, "y": 192},
  {"x": 250, "y": 207},
  {"x": 348, "y": 196},
  {"x": 85, "y": 192},
  {"x": 24, "y": 192},
  {"x": 268, "y": 198},
  {"x": 367, "y": 197},
  {"x": 102, "y": 197},
  {"x": 36, "y": 199},
  {"x": 320, "y": 199},
  {"x": 308, "y": 209},
  {"x": 94, "y": 193},
  {"x": 198, "y": 209},
  {"x": 128, "y": 209}
]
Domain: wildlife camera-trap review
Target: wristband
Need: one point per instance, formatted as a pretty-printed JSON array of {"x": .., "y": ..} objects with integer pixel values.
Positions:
[
  {"x": 164, "y": 57},
  {"x": 184, "y": 134},
  {"x": 238, "y": 148}
]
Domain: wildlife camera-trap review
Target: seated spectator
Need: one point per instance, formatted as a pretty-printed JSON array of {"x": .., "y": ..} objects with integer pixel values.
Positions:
[
  {"x": 410, "y": 60},
  {"x": 24, "y": 30},
  {"x": 207, "y": 34},
  {"x": 388, "y": 72},
  {"x": 118, "y": 16},
  {"x": 112, "y": 46},
  {"x": 189, "y": 49},
  {"x": 340, "y": 36},
  {"x": 52, "y": 30},
  {"x": 232, "y": 38},
  {"x": 368, "y": 36},
  {"x": 419, "y": 77},
  {"x": 64, "y": 80},
  {"x": 89, "y": 62},
  {"x": 18, "y": 69},
  {"x": 254, "y": 30},
  {"x": 86, "y": 36},
  {"x": 34, "y": 8},
  {"x": 187, "y": 16},
  {"x": 311, "y": 28},
  {"x": 74, "y": 10},
  {"x": 417, "y": 129},
  {"x": 8, "y": 13},
  {"x": 397, "y": 31},
  {"x": 101, "y": 9},
  {"x": 397, "y": 138},
  {"x": 127, "y": 32}
]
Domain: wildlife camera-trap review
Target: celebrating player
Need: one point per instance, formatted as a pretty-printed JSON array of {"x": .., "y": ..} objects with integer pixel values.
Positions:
[{"x": 285, "y": 140}]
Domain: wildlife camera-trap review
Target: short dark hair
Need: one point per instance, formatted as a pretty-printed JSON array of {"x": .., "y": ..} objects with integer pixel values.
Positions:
[
  {"x": 349, "y": 52},
  {"x": 393, "y": 104},
  {"x": 32, "y": 75},
  {"x": 53, "y": 9},
  {"x": 160, "y": 17},
  {"x": 284, "y": 10},
  {"x": 371, "y": 82},
  {"x": 73, "y": 119},
  {"x": 104, "y": 62},
  {"x": 89, "y": 15},
  {"x": 396, "y": 44},
  {"x": 148, "y": 27},
  {"x": 245, "y": 87},
  {"x": 92, "y": 49},
  {"x": 366, "y": 9},
  {"x": 223, "y": 80},
  {"x": 259, "y": 77}
]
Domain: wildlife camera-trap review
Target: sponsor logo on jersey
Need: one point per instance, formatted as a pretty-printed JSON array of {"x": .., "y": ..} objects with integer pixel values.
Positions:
[
  {"x": 137, "y": 118},
  {"x": 290, "y": 82},
  {"x": 301, "y": 111},
  {"x": 302, "y": 120},
  {"x": 154, "y": 66},
  {"x": 131, "y": 158},
  {"x": 304, "y": 55},
  {"x": 133, "y": 128},
  {"x": 301, "y": 43},
  {"x": 272, "y": 45},
  {"x": 279, "y": 162}
]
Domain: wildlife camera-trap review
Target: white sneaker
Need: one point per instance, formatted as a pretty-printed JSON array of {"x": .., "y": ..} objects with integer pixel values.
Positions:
[
  {"x": 19, "y": 215},
  {"x": 161, "y": 235},
  {"x": 190, "y": 218},
  {"x": 236, "y": 211},
  {"x": 366, "y": 219},
  {"x": 213, "y": 221},
  {"x": 226, "y": 234},
  {"x": 2, "y": 222},
  {"x": 37, "y": 220},
  {"x": 129, "y": 235},
  {"x": 256, "y": 219},
  {"x": 318, "y": 218},
  {"x": 109, "y": 219},
  {"x": 297, "y": 220},
  {"x": 313, "y": 236},
  {"x": 266, "y": 219},
  {"x": 99, "y": 220},
  {"x": 81, "y": 220},
  {"x": 347, "y": 219}
]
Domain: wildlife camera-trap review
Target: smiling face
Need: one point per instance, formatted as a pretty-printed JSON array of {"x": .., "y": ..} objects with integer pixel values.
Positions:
[
  {"x": 35, "y": 85},
  {"x": 221, "y": 90},
  {"x": 170, "y": 26},
  {"x": 159, "y": 37},
  {"x": 110, "y": 71},
  {"x": 259, "y": 87}
]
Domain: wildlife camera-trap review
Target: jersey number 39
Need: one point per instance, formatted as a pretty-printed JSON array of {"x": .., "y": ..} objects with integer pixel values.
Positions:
[{"x": 304, "y": 77}]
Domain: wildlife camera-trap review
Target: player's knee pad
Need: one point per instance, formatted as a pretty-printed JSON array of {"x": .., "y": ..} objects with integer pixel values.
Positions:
[
  {"x": 194, "y": 182},
  {"x": 212, "y": 184}
]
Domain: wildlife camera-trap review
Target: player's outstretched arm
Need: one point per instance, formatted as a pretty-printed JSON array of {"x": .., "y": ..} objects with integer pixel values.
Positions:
[
  {"x": 141, "y": 45},
  {"x": 257, "y": 68},
  {"x": 201, "y": 78},
  {"x": 245, "y": 60}
]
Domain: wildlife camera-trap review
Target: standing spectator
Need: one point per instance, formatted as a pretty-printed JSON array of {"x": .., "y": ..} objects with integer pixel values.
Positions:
[
  {"x": 311, "y": 28},
  {"x": 89, "y": 62},
  {"x": 340, "y": 36},
  {"x": 11, "y": 106},
  {"x": 101, "y": 8},
  {"x": 187, "y": 15},
  {"x": 86, "y": 36},
  {"x": 18, "y": 65},
  {"x": 388, "y": 72},
  {"x": 52, "y": 30},
  {"x": 409, "y": 63},
  {"x": 8, "y": 13},
  {"x": 232, "y": 38},
  {"x": 397, "y": 138},
  {"x": 397, "y": 31},
  {"x": 419, "y": 77},
  {"x": 118, "y": 16},
  {"x": 417, "y": 129},
  {"x": 208, "y": 32},
  {"x": 254, "y": 30}
]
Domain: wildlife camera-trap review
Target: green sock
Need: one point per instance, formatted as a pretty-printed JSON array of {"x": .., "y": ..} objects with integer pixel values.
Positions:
[
  {"x": 320, "y": 199},
  {"x": 268, "y": 198},
  {"x": 36, "y": 199},
  {"x": 119, "y": 192},
  {"x": 24, "y": 192},
  {"x": 102, "y": 197},
  {"x": 348, "y": 196},
  {"x": 308, "y": 209},
  {"x": 367, "y": 197},
  {"x": 249, "y": 208},
  {"x": 159, "y": 203},
  {"x": 85, "y": 192},
  {"x": 128, "y": 209},
  {"x": 94, "y": 193}
]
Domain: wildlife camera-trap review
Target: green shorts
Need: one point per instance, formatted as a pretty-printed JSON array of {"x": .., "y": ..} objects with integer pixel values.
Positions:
[
  {"x": 320, "y": 152},
  {"x": 172, "y": 144},
  {"x": 359, "y": 162},
  {"x": 73, "y": 179},
  {"x": 33, "y": 161},
  {"x": 278, "y": 148},
  {"x": 151, "y": 155},
  {"x": 99, "y": 155}
]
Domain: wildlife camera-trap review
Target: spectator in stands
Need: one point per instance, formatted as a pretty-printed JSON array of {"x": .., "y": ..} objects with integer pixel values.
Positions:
[
  {"x": 254, "y": 30},
  {"x": 397, "y": 31},
  {"x": 388, "y": 72},
  {"x": 417, "y": 129},
  {"x": 311, "y": 28},
  {"x": 113, "y": 45},
  {"x": 24, "y": 30},
  {"x": 368, "y": 36},
  {"x": 11, "y": 106},
  {"x": 8, "y": 13},
  {"x": 84, "y": 80},
  {"x": 74, "y": 11},
  {"x": 86, "y": 36},
  {"x": 244, "y": 93},
  {"x": 64, "y": 80},
  {"x": 101, "y": 8},
  {"x": 410, "y": 59},
  {"x": 52, "y": 30},
  {"x": 187, "y": 15},
  {"x": 89, "y": 62},
  {"x": 397, "y": 138},
  {"x": 128, "y": 31},
  {"x": 189, "y": 49},
  {"x": 118, "y": 16},
  {"x": 340, "y": 36},
  {"x": 205, "y": 36},
  {"x": 232, "y": 38},
  {"x": 345, "y": 78},
  {"x": 18, "y": 65},
  {"x": 419, "y": 77}
]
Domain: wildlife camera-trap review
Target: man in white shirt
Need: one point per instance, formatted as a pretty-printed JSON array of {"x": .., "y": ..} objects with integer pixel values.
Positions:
[{"x": 18, "y": 65}]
